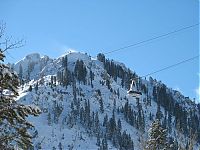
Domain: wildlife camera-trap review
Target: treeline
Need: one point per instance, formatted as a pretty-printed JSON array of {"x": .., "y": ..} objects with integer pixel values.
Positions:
[
  {"x": 117, "y": 71},
  {"x": 186, "y": 121}
]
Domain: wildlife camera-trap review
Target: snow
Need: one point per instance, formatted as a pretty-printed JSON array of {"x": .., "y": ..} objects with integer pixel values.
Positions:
[{"x": 46, "y": 96}]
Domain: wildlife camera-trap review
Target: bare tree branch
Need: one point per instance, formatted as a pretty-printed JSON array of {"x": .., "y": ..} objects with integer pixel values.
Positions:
[
  {"x": 12, "y": 45},
  {"x": 7, "y": 42},
  {"x": 2, "y": 29}
]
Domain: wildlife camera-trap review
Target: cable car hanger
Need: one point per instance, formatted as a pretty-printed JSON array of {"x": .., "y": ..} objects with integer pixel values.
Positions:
[{"x": 133, "y": 91}]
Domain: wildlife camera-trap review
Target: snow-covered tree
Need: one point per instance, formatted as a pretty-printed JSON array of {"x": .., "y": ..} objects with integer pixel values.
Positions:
[
  {"x": 80, "y": 71},
  {"x": 13, "y": 124},
  {"x": 157, "y": 137},
  {"x": 20, "y": 73}
]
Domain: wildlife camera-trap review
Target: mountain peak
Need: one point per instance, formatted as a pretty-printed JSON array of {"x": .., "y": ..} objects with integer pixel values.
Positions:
[{"x": 33, "y": 56}]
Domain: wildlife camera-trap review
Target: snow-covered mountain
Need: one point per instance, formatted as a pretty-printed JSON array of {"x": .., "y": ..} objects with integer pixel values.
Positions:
[{"x": 85, "y": 105}]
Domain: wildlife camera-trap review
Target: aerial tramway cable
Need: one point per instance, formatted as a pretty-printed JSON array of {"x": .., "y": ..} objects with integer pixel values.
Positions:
[
  {"x": 171, "y": 66},
  {"x": 153, "y": 38},
  {"x": 133, "y": 91},
  {"x": 136, "y": 93}
]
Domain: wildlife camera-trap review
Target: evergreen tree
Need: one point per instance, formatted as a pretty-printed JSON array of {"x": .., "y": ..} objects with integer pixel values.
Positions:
[
  {"x": 59, "y": 77},
  {"x": 98, "y": 140},
  {"x": 101, "y": 105},
  {"x": 65, "y": 77},
  {"x": 13, "y": 124},
  {"x": 112, "y": 126},
  {"x": 104, "y": 144},
  {"x": 54, "y": 79},
  {"x": 159, "y": 114},
  {"x": 80, "y": 71},
  {"x": 60, "y": 147},
  {"x": 91, "y": 78},
  {"x": 49, "y": 119},
  {"x": 105, "y": 120},
  {"x": 64, "y": 62},
  {"x": 36, "y": 87},
  {"x": 51, "y": 80},
  {"x": 38, "y": 146},
  {"x": 119, "y": 124},
  {"x": 20, "y": 73},
  {"x": 97, "y": 125},
  {"x": 157, "y": 137},
  {"x": 101, "y": 57},
  {"x": 30, "y": 88}
]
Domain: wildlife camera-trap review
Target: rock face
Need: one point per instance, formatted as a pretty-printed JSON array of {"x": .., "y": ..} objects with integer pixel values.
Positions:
[{"x": 85, "y": 105}]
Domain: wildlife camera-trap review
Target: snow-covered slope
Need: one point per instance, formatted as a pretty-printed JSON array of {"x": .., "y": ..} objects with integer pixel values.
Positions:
[
  {"x": 75, "y": 105},
  {"x": 32, "y": 65}
]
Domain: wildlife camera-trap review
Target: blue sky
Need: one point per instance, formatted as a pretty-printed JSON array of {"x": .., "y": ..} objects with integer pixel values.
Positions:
[{"x": 52, "y": 27}]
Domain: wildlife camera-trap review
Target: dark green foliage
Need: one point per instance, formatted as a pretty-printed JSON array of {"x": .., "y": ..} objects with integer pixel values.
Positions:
[
  {"x": 80, "y": 71},
  {"x": 91, "y": 78},
  {"x": 36, "y": 87},
  {"x": 101, "y": 58},
  {"x": 113, "y": 133},
  {"x": 38, "y": 146},
  {"x": 157, "y": 137},
  {"x": 185, "y": 122},
  {"x": 105, "y": 121},
  {"x": 57, "y": 110},
  {"x": 20, "y": 73},
  {"x": 134, "y": 118},
  {"x": 101, "y": 105},
  {"x": 117, "y": 71},
  {"x": 63, "y": 77},
  {"x": 49, "y": 121},
  {"x": 159, "y": 114},
  {"x": 98, "y": 140},
  {"x": 104, "y": 145},
  {"x": 144, "y": 88},
  {"x": 126, "y": 142},
  {"x": 30, "y": 88},
  {"x": 64, "y": 62},
  {"x": 97, "y": 124},
  {"x": 51, "y": 80},
  {"x": 119, "y": 124},
  {"x": 60, "y": 147},
  {"x": 13, "y": 124}
]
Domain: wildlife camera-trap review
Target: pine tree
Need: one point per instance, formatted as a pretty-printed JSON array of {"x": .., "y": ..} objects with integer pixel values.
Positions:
[
  {"x": 104, "y": 144},
  {"x": 101, "y": 57},
  {"x": 60, "y": 147},
  {"x": 80, "y": 71},
  {"x": 101, "y": 105},
  {"x": 64, "y": 62},
  {"x": 49, "y": 119},
  {"x": 36, "y": 87},
  {"x": 112, "y": 126},
  {"x": 54, "y": 79},
  {"x": 13, "y": 124},
  {"x": 157, "y": 137},
  {"x": 98, "y": 140},
  {"x": 159, "y": 114},
  {"x": 20, "y": 73},
  {"x": 96, "y": 121},
  {"x": 30, "y": 88},
  {"x": 119, "y": 124},
  {"x": 51, "y": 80},
  {"x": 65, "y": 77},
  {"x": 105, "y": 121}
]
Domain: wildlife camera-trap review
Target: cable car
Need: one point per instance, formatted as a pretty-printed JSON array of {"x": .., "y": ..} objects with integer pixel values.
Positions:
[{"x": 133, "y": 90}]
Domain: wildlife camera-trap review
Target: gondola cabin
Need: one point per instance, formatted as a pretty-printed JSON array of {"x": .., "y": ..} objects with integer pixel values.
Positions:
[{"x": 133, "y": 90}]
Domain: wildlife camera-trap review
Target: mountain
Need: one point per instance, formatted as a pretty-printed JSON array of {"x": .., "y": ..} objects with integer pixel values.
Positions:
[{"x": 85, "y": 105}]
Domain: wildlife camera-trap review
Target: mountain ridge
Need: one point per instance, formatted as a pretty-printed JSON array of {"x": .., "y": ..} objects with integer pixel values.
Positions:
[{"x": 75, "y": 81}]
